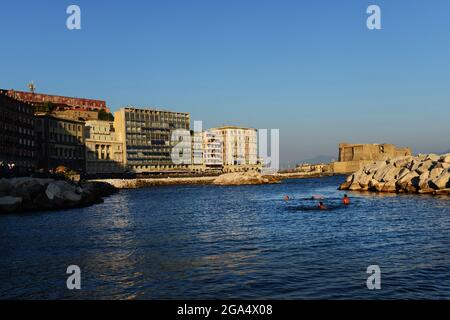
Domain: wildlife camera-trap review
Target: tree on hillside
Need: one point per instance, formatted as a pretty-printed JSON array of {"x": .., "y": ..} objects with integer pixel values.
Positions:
[
  {"x": 46, "y": 107},
  {"x": 105, "y": 116}
]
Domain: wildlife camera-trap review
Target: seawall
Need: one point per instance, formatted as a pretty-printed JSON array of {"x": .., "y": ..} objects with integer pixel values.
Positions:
[
  {"x": 148, "y": 182},
  {"x": 424, "y": 174}
]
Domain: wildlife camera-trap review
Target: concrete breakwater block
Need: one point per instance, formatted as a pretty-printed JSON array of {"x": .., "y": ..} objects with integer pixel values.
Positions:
[{"x": 424, "y": 174}]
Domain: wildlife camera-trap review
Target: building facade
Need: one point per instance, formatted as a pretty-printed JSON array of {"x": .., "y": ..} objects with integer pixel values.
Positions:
[
  {"x": 197, "y": 152},
  {"x": 313, "y": 168},
  {"x": 147, "y": 135},
  {"x": 352, "y": 157},
  {"x": 60, "y": 142},
  {"x": 104, "y": 149},
  {"x": 212, "y": 151},
  {"x": 17, "y": 136},
  {"x": 60, "y": 102},
  {"x": 240, "y": 149}
]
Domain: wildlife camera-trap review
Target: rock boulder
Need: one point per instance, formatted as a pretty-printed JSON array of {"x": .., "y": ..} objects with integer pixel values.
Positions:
[
  {"x": 445, "y": 158},
  {"x": 442, "y": 181},
  {"x": 10, "y": 204},
  {"x": 422, "y": 174},
  {"x": 29, "y": 194}
]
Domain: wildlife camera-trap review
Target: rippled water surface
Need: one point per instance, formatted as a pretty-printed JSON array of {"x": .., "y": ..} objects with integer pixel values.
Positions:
[{"x": 202, "y": 242}]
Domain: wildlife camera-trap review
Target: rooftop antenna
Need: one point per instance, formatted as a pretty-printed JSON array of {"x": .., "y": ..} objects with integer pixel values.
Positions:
[{"x": 31, "y": 86}]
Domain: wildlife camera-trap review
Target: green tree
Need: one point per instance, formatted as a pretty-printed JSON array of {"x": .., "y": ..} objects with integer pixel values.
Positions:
[
  {"x": 105, "y": 116},
  {"x": 46, "y": 107}
]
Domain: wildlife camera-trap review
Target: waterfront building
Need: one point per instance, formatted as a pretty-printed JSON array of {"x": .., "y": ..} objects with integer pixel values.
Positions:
[
  {"x": 104, "y": 149},
  {"x": 147, "y": 135},
  {"x": 17, "y": 135},
  {"x": 40, "y": 100},
  {"x": 212, "y": 151},
  {"x": 197, "y": 152},
  {"x": 313, "y": 168},
  {"x": 240, "y": 150},
  {"x": 353, "y": 157},
  {"x": 60, "y": 142}
]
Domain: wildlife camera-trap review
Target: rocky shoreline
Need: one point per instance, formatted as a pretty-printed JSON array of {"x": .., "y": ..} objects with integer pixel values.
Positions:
[
  {"x": 34, "y": 194},
  {"x": 304, "y": 175},
  {"x": 423, "y": 174},
  {"x": 244, "y": 178},
  {"x": 38, "y": 194},
  {"x": 153, "y": 182},
  {"x": 225, "y": 179}
]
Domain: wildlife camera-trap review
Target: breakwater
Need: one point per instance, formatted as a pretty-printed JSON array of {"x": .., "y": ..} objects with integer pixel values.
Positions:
[
  {"x": 149, "y": 182},
  {"x": 424, "y": 174},
  {"x": 33, "y": 194},
  {"x": 237, "y": 178}
]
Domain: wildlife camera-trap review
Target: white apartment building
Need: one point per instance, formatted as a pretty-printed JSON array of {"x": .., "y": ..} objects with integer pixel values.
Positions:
[
  {"x": 240, "y": 148},
  {"x": 212, "y": 150},
  {"x": 197, "y": 161}
]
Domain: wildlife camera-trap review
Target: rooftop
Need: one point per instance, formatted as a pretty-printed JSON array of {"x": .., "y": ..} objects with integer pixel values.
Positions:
[
  {"x": 37, "y": 95},
  {"x": 232, "y": 127},
  {"x": 151, "y": 109}
]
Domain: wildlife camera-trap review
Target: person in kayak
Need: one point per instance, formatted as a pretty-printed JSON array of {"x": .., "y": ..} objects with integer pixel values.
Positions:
[
  {"x": 322, "y": 206},
  {"x": 346, "y": 200}
]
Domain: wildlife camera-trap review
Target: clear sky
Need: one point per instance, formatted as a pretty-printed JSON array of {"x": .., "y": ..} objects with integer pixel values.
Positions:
[{"x": 310, "y": 68}]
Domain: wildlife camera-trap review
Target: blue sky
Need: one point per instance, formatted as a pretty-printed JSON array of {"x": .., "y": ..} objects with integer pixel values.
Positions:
[{"x": 310, "y": 68}]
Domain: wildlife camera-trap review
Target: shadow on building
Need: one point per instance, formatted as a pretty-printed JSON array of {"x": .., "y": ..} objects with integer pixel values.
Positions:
[
  {"x": 17, "y": 137},
  {"x": 60, "y": 144}
]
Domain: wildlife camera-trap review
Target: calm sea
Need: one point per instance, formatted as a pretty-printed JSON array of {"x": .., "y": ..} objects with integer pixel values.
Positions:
[{"x": 205, "y": 242}]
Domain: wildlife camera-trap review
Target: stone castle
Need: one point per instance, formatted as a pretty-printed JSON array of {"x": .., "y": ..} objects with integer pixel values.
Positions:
[{"x": 353, "y": 157}]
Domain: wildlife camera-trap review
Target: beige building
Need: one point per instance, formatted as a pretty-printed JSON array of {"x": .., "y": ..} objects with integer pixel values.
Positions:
[
  {"x": 240, "y": 150},
  {"x": 352, "y": 157},
  {"x": 147, "y": 135},
  {"x": 313, "y": 168},
  {"x": 104, "y": 149}
]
